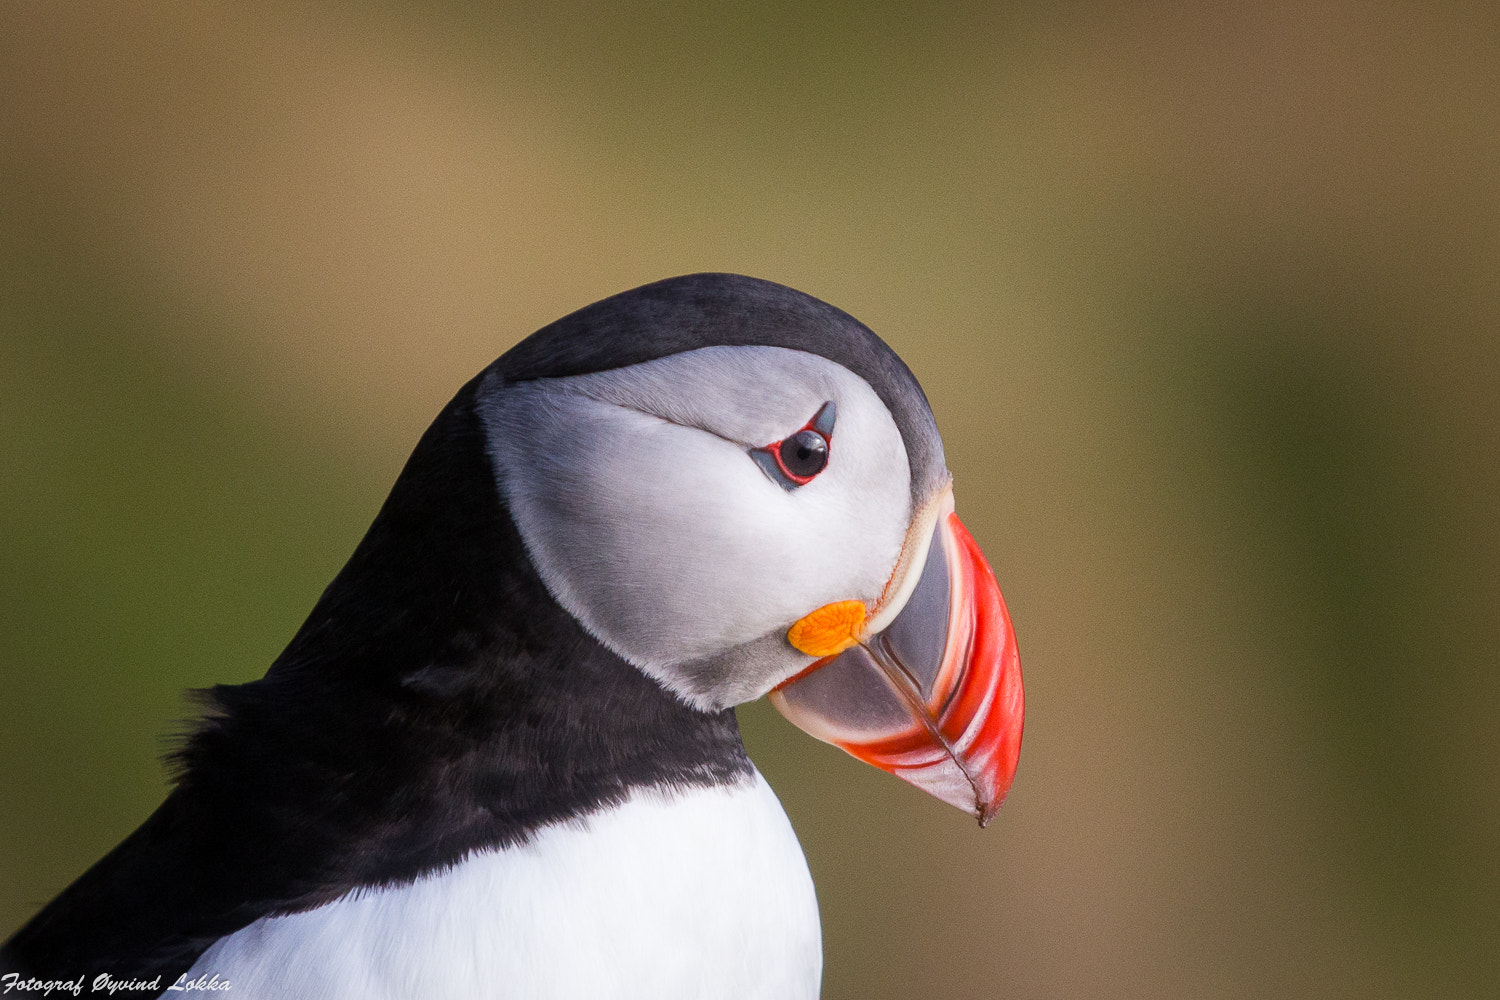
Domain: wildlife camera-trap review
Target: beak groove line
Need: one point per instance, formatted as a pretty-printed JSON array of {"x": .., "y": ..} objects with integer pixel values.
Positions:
[{"x": 956, "y": 735}]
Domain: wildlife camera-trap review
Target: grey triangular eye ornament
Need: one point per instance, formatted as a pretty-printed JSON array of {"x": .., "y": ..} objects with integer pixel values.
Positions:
[
  {"x": 927, "y": 685},
  {"x": 796, "y": 459}
]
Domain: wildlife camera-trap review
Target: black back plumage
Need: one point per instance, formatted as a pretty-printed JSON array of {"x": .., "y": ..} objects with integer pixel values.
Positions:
[{"x": 437, "y": 700}]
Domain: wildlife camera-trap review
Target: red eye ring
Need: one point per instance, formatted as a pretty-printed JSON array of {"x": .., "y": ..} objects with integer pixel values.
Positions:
[
  {"x": 802, "y": 456},
  {"x": 797, "y": 459}
]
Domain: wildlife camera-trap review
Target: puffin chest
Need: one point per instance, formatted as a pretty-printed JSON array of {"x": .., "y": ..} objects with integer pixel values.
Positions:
[{"x": 698, "y": 893}]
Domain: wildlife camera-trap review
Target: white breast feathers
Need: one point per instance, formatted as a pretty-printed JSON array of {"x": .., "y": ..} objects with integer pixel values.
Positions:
[{"x": 701, "y": 894}]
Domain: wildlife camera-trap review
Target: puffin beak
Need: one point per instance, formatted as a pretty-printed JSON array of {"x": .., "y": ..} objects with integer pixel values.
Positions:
[{"x": 931, "y": 693}]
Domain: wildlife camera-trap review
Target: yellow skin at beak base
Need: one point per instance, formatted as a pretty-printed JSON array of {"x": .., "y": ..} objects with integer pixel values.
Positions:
[{"x": 830, "y": 629}]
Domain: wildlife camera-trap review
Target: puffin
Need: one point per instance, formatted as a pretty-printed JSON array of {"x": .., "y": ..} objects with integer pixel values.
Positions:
[{"x": 500, "y": 758}]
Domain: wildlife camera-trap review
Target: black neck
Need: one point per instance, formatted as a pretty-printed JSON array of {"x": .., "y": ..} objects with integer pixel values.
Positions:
[{"x": 436, "y": 702}]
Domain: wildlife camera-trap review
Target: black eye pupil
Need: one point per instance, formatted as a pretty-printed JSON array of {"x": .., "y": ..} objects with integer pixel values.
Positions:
[{"x": 804, "y": 454}]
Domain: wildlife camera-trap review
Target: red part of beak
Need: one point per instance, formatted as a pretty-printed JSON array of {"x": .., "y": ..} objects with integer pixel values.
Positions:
[{"x": 955, "y": 735}]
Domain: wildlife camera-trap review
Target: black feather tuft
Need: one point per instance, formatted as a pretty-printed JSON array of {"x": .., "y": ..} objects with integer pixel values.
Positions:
[{"x": 436, "y": 702}]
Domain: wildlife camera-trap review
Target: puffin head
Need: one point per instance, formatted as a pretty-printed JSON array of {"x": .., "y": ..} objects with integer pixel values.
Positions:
[{"x": 741, "y": 490}]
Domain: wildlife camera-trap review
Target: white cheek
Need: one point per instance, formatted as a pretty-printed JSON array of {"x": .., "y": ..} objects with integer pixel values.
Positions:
[
  {"x": 677, "y": 545},
  {"x": 667, "y": 541}
]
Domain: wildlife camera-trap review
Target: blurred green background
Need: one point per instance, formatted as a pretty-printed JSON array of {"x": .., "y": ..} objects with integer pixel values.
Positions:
[{"x": 1206, "y": 299}]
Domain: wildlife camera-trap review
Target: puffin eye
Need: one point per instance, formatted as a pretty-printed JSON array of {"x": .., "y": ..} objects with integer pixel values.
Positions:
[
  {"x": 795, "y": 460},
  {"x": 803, "y": 455}
]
